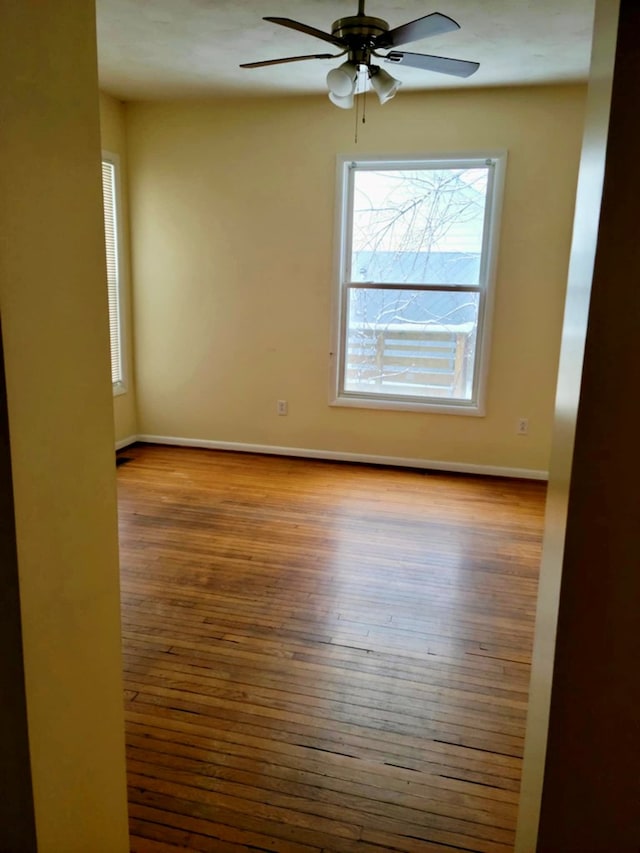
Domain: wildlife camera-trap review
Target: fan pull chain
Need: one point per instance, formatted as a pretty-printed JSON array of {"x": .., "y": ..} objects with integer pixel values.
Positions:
[
  {"x": 357, "y": 100},
  {"x": 364, "y": 108}
]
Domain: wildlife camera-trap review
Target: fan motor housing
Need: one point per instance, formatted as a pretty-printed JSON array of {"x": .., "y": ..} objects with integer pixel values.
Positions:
[{"x": 359, "y": 30}]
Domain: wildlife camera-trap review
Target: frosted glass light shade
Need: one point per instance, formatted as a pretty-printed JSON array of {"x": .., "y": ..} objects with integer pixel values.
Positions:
[
  {"x": 341, "y": 81},
  {"x": 345, "y": 103},
  {"x": 384, "y": 85}
]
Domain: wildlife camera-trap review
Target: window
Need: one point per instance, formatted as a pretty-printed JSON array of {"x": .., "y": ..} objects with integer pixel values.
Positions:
[
  {"x": 111, "y": 234},
  {"x": 417, "y": 246}
]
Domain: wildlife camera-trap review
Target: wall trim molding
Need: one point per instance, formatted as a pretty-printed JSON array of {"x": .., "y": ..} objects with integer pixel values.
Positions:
[
  {"x": 341, "y": 456},
  {"x": 125, "y": 442}
]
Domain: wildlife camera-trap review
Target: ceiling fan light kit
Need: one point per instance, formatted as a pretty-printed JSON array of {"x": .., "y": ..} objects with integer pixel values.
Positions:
[{"x": 362, "y": 38}]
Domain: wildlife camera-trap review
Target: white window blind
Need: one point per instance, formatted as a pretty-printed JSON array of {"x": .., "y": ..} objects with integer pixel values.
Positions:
[{"x": 113, "y": 272}]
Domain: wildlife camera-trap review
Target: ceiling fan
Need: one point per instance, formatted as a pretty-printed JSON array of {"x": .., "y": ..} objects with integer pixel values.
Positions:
[{"x": 361, "y": 37}]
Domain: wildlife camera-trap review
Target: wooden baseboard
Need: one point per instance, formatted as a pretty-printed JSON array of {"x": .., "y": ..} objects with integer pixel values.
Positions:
[
  {"x": 125, "y": 442},
  {"x": 340, "y": 456}
]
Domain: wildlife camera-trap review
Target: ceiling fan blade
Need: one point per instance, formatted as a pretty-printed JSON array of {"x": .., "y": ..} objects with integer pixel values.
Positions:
[
  {"x": 289, "y": 59},
  {"x": 304, "y": 28},
  {"x": 441, "y": 64},
  {"x": 422, "y": 28}
]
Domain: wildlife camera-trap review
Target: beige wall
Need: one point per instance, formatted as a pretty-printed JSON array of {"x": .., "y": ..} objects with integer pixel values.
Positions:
[
  {"x": 233, "y": 222},
  {"x": 114, "y": 140},
  {"x": 591, "y": 785},
  {"x": 54, "y": 315}
]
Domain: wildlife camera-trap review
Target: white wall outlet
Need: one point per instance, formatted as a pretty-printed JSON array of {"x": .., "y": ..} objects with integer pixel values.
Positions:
[
  {"x": 523, "y": 426},
  {"x": 283, "y": 407}
]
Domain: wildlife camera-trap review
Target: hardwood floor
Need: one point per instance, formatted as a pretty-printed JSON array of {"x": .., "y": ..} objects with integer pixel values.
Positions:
[{"x": 321, "y": 656}]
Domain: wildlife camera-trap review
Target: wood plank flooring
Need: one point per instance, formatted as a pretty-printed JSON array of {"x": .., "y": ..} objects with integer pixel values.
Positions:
[{"x": 321, "y": 656}]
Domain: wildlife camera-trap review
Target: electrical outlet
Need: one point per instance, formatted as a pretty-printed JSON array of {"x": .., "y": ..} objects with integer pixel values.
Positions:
[
  {"x": 283, "y": 407},
  {"x": 523, "y": 426}
]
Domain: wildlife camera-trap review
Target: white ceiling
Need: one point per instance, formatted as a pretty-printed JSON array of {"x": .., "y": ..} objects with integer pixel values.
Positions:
[{"x": 150, "y": 49}]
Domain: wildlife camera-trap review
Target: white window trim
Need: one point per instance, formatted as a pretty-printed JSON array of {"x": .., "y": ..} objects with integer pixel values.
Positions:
[
  {"x": 121, "y": 386},
  {"x": 493, "y": 213}
]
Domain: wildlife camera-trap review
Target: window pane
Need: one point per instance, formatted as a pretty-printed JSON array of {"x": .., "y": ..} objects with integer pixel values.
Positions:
[
  {"x": 411, "y": 343},
  {"x": 418, "y": 226}
]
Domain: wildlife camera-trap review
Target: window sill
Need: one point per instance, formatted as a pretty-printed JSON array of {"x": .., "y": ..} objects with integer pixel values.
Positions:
[{"x": 428, "y": 407}]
